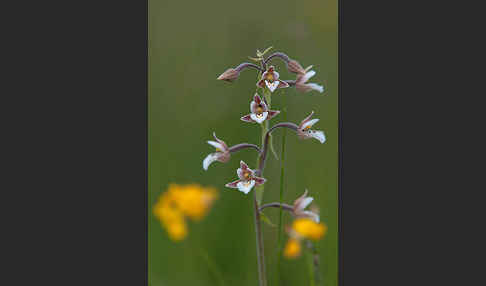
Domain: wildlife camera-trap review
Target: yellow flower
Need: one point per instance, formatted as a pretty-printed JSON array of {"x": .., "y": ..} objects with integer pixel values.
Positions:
[
  {"x": 180, "y": 201},
  {"x": 309, "y": 229},
  {"x": 194, "y": 201},
  {"x": 292, "y": 248},
  {"x": 302, "y": 228},
  {"x": 177, "y": 230}
]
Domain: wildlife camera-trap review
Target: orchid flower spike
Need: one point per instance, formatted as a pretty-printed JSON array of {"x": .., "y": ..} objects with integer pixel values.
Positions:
[
  {"x": 270, "y": 79},
  {"x": 222, "y": 153},
  {"x": 305, "y": 132},
  {"x": 302, "y": 85},
  {"x": 247, "y": 179},
  {"x": 301, "y": 203},
  {"x": 259, "y": 111}
]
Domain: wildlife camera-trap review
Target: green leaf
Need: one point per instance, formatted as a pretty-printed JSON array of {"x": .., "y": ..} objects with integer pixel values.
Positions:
[
  {"x": 266, "y": 220},
  {"x": 272, "y": 148}
]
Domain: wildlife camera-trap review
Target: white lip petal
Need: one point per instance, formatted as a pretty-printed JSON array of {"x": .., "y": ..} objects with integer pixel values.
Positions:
[
  {"x": 312, "y": 215},
  {"x": 317, "y": 87},
  {"x": 216, "y": 145},
  {"x": 272, "y": 86},
  {"x": 305, "y": 202},
  {"x": 245, "y": 187},
  {"x": 259, "y": 119},
  {"x": 319, "y": 135},
  {"x": 309, "y": 123},
  {"x": 208, "y": 160},
  {"x": 308, "y": 75}
]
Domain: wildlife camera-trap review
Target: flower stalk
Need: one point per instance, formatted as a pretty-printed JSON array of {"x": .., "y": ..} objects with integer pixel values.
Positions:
[
  {"x": 259, "y": 242},
  {"x": 257, "y": 197},
  {"x": 268, "y": 79},
  {"x": 280, "y": 215},
  {"x": 315, "y": 279},
  {"x": 277, "y": 205}
]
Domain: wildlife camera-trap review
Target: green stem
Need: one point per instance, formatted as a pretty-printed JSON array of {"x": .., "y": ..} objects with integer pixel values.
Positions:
[
  {"x": 259, "y": 189},
  {"x": 257, "y": 200},
  {"x": 282, "y": 174},
  {"x": 213, "y": 268},
  {"x": 313, "y": 258},
  {"x": 259, "y": 242},
  {"x": 310, "y": 265}
]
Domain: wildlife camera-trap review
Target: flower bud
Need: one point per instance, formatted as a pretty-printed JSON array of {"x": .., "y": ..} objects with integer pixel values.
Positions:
[
  {"x": 295, "y": 67},
  {"x": 229, "y": 75}
]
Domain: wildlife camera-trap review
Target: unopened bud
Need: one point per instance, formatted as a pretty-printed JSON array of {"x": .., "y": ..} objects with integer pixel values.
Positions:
[
  {"x": 229, "y": 75},
  {"x": 295, "y": 67}
]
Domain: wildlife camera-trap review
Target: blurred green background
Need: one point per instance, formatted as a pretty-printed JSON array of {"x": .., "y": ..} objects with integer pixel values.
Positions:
[{"x": 190, "y": 44}]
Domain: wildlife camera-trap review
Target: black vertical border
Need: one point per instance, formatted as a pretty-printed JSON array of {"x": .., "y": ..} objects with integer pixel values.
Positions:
[{"x": 146, "y": 142}]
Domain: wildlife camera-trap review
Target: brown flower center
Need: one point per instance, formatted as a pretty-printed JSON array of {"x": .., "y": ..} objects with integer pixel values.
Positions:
[
  {"x": 246, "y": 174},
  {"x": 270, "y": 77},
  {"x": 259, "y": 110}
]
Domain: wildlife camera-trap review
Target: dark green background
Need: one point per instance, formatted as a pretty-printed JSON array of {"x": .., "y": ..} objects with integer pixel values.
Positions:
[{"x": 190, "y": 44}]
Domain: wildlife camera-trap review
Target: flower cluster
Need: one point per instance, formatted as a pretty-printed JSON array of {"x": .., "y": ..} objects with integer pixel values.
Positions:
[
  {"x": 260, "y": 113},
  {"x": 307, "y": 225},
  {"x": 302, "y": 229},
  {"x": 180, "y": 201},
  {"x": 271, "y": 78}
]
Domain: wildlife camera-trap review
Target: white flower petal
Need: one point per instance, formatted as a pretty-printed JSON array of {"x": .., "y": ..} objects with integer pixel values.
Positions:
[
  {"x": 239, "y": 172},
  {"x": 208, "y": 160},
  {"x": 319, "y": 135},
  {"x": 216, "y": 145},
  {"x": 276, "y": 75},
  {"x": 272, "y": 86},
  {"x": 308, "y": 75},
  {"x": 259, "y": 118},
  {"x": 312, "y": 215},
  {"x": 245, "y": 187},
  {"x": 305, "y": 202},
  {"x": 309, "y": 123},
  {"x": 253, "y": 117},
  {"x": 253, "y": 106},
  {"x": 317, "y": 87}
]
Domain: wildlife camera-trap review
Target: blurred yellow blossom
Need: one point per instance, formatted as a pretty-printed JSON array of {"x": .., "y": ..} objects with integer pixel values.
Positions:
[
  {"x": 180, "y": 201},
  {"x": 309, "y": 229},
  {"x": 302, "y": 228},
  {"x": 292, "y": 248}
]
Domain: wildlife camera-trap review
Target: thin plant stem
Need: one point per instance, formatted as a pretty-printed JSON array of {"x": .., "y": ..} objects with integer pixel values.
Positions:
[
  {"x": 282, "y": 175},
  {"x": 259, "y": 242},
  {"x": 213, "y": 268},
  {"x": 277, "y": 205},
  {"x": 257, "y": 196},
  {"x": 315, "y": 261},
  {"x": 259, "y": 189},
  {"x": 310, "y": 265}
]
